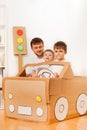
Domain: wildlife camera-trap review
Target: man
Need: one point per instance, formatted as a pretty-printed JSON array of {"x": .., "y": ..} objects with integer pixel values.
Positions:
[
  {"x": 36, "y": 53},
  {"x": 37, "y": 47}
]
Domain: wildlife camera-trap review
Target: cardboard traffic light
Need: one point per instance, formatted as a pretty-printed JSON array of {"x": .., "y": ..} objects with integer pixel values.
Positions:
[
  {"x": 19, "y": 43},
  {"x": 19, "y": 40}
]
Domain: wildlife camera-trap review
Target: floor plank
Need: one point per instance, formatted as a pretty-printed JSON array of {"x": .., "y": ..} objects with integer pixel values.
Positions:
[{"x": 79, "y": 123}]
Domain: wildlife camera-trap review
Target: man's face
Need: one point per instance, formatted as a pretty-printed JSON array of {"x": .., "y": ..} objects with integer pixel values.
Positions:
[{"x": 38, "y": 49}]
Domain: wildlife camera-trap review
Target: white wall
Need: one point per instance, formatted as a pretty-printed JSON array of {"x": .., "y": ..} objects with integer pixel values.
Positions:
[{"x": 52, "y": 20}]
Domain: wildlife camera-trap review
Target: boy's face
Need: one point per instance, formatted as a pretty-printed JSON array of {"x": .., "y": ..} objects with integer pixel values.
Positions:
[
  {"x": 59, "y": 53},
  {"x": 38, "y": 49},
  {"x": 48, "y": 56}
]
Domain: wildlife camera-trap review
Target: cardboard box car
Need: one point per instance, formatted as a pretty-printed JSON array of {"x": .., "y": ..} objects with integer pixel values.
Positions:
[{"x": 45, "y": 99}]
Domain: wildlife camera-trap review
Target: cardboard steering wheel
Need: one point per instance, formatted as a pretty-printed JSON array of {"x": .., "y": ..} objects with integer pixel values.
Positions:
[{"x": 45, "y": 73}]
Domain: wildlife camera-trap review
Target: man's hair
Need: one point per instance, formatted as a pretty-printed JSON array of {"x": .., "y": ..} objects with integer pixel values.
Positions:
[
  {"x": 60, "y": 44},
  {"x": 35, "y": 41}
]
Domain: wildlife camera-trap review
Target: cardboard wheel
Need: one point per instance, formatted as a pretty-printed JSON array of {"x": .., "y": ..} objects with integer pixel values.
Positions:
[
  {"x": 61, "y": 108},
  {"x": 81, "y": 104}
]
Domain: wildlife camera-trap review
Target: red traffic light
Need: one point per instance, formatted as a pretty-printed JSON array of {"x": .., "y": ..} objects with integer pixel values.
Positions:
[{"x": 19, "y": 32}]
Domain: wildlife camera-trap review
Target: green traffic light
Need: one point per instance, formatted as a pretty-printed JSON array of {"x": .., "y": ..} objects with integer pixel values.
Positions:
[{"x": 20, "y": 48}]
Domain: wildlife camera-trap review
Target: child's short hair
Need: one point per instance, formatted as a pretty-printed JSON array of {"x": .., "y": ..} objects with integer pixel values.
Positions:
[{"x": 60, "y": 44}]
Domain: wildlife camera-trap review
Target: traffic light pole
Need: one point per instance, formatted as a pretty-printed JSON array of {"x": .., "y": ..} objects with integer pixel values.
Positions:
[{"x": 19, "y": 62}]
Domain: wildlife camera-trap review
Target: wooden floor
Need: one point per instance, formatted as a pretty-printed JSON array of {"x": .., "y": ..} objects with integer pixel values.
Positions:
[{"x": 79, "y": 123}]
